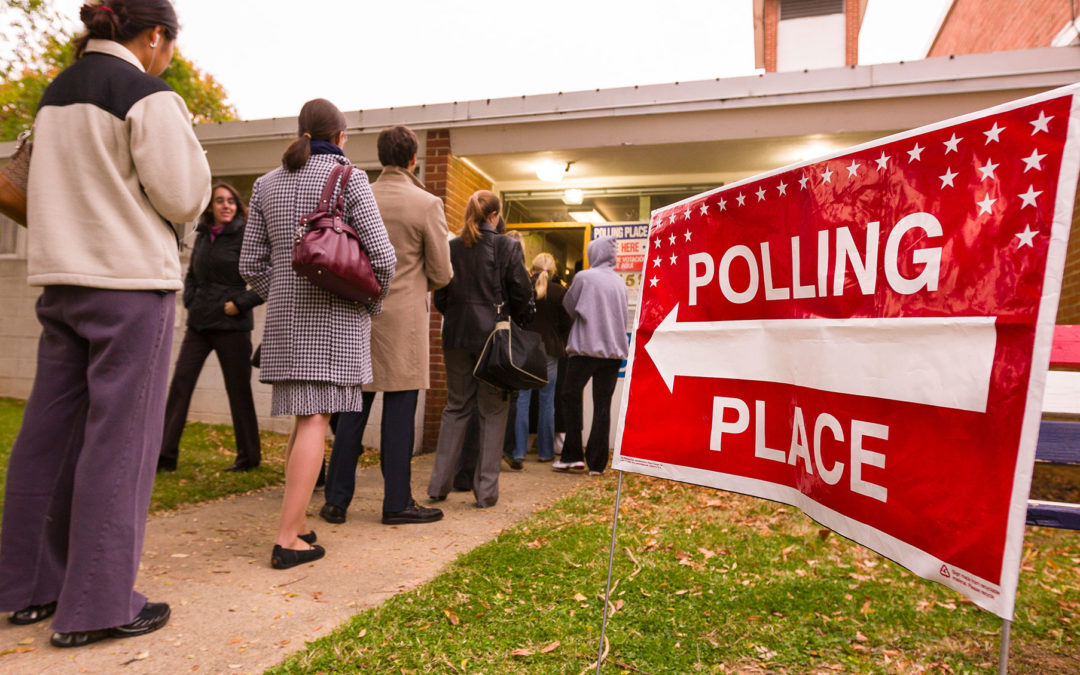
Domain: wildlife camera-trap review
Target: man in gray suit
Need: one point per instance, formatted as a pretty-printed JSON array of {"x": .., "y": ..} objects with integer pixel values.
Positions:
[{"x": 416, "y": 224}]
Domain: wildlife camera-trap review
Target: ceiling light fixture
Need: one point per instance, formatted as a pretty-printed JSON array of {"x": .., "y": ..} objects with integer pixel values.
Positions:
[
  {"x": 590, "y": 216},
  {"x": 573, "y": 197},
  {"x": 551, "y": 171}
]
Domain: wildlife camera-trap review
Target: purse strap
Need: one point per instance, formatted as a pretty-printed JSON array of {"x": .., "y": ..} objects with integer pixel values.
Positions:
[
  {"x": 339, "y": 174},
  {"x": 500, "y": 315}
]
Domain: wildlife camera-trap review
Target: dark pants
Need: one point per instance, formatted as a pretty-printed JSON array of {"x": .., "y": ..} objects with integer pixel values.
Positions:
[
  {"x": 604, "y": 374},
  {"x": 465, "y": 396},
  {"x": 82, "y": 467},
  {"x": 234, "y": 354},
  {"x": 395, "y": 451}
]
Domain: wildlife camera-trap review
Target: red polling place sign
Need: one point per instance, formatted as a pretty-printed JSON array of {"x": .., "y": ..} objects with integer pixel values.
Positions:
[{"x": 866, "y": 337}]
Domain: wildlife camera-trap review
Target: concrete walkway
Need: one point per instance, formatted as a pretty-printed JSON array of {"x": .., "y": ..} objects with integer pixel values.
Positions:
[{"x": 232, "y": 613}]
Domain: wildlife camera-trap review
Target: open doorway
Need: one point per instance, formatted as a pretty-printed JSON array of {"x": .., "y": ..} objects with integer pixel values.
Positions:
[{"x": 564, "y": 241}]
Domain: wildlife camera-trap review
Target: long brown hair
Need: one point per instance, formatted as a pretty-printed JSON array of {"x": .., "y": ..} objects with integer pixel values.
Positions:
[
  {"x": 207, "y": 217},
  {"x": 319, "y": 120},
  {"x": 481, "y": 205},
  {"x": 122, "y": 20}
]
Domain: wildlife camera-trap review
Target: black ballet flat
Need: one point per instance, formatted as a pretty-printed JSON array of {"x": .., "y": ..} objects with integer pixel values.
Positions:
[
  {"x": 284, "y": 558},
  {"x": 151, "y": 617},
  {"x": 308, "y": 538},
  {"x": 32, "y": 614}
]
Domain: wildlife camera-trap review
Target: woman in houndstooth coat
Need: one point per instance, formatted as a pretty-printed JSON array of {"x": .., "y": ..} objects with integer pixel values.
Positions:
[{"x": 316, "y": 345}]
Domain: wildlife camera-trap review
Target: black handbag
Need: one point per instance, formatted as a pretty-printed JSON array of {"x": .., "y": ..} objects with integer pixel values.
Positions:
[{"x": 513, "y": 358}]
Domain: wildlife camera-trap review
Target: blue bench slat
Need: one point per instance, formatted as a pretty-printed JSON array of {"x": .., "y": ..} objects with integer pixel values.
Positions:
[
  {"x": 1059, "y": 442},
  {"x": 1054, "y": 514}
]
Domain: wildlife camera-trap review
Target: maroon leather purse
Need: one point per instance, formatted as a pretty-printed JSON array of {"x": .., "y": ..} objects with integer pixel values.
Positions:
[{"x": 328, "y": 253}]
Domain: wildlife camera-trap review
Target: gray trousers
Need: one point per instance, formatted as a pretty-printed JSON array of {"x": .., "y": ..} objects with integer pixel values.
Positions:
[
  {"x": 466, "y": 395},
  {"x": 82, "y": 467}
]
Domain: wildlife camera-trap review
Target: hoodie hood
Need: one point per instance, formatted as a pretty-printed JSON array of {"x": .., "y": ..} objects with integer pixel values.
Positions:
[{"x": 602, "y": 252}]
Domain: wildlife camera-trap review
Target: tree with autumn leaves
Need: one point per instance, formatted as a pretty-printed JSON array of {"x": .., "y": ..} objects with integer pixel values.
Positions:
[{"x": 41, "y": 46}]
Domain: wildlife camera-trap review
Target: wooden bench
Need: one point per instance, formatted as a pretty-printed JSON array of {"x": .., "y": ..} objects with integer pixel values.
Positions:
[{"x": 1059, "y": 435}]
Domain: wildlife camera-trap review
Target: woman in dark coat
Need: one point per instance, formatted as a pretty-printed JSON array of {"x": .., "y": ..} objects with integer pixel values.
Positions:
[
  {"x": 316, "y": 348},
  {"x": 219, "y": 319},
  {"x": 468, "y": 308}
]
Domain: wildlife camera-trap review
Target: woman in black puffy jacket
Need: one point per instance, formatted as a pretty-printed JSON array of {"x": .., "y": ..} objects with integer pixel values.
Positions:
[{"x": 219, "y": 308}]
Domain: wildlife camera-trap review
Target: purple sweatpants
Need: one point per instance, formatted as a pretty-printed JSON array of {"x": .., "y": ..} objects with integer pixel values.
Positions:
[{"x": 82, "y": 467}]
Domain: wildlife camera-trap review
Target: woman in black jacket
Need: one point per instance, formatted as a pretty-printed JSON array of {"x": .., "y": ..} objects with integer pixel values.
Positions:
[
  {"x": 468, "y": 308},
  {"x": 219, "y": 319}
]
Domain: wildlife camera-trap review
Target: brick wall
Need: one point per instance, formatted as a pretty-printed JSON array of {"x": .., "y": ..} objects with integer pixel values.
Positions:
[
  {"x": 853, "y": 12},
  {"x": 454, "y": 181},
  {"x": 772, "y": 20},
  {"x": 979, "y": 26}
]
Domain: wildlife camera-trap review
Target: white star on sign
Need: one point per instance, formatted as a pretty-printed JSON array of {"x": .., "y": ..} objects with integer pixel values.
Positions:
[
  {"x": 686, "y": 214},
  {"x": 674, "y": 258},
  {"x": 985, "y": 204},
  {"x": 882, "y": 161},
  {"x": 947, "y": 179},
  {"x": 760, "y": 194},
  {"x": 1029, "y": 196},
  {"x": 672, "y": 217},
  {"x": 704, "y": 209},
  {"x": 952, "y": 144},
  {"x": 782, "y": 188},
  {"x": 672, "y": 239},
  {"x": 687, "y": 235},
  {"x": 742, "y": 199},
  {"x": 1041, "y": 124},
  {"x": 1033, "y": 162},
  {"x": 656, "y": 262},
  {"x": 652, "y": 282},
  {"x": 1027, "y": 237},
  {"x": 723, "y": 205},
  {"x": 853, "y": 170},
  {"x": 993, "y": 132},
  {"x": 803, "y": 181},
  {"x": 827, "y": 176},
  {"x": 915, "y": 154},
  {"x": 988, "y": 170}
]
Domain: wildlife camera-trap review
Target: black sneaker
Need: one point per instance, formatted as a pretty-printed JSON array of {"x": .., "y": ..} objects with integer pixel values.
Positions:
[
  {"x": 513, "y": 462},
  {"x": 332, "y": 514},
  {"x": 153, "y": 615},
  {"x": 413, "y": 513}
]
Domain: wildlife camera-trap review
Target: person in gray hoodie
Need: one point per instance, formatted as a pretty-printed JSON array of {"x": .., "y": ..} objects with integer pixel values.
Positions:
[{"x": 597, "y": 303}]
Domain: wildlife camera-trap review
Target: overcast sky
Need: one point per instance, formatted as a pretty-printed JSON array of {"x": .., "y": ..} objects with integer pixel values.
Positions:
[{"x": 272, "y": 55}]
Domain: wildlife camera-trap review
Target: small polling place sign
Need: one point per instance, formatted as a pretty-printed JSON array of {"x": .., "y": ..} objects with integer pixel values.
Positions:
[{"x": 866, "y": 337}]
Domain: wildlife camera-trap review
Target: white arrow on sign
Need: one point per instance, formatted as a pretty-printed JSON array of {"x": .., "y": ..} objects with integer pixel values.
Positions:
[{"x": 939, "y": 361}]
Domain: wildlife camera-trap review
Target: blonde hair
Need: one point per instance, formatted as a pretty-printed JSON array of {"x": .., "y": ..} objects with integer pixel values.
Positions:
[
  {"x": 544, "y": 265},
  {"x": 481, "y": 205}
]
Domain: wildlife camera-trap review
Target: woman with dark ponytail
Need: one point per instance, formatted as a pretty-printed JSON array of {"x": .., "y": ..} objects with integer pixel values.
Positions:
[
  {"x": 486, "y": 264},
  {"x": 316, "y": 345},
  {"x": 115, "y": 164}
]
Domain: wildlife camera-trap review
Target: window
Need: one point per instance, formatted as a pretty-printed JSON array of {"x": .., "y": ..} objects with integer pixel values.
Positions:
[{"x": 9, "y": 237}]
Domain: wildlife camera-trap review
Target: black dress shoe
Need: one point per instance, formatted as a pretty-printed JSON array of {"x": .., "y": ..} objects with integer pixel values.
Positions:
[
  {"x": 513, "y": 462},
  {"x": 309, "y": 538},
  {"x": 332, "y": 514},
  {"x": 239, "y": 468},
  {"x": 165, "y": 465},
  {"x": 153, "y": 615},
  {"x": 32, "y": 614},
  {"x": 413, "y": 513},
  {"x": 284, "y": 558}
]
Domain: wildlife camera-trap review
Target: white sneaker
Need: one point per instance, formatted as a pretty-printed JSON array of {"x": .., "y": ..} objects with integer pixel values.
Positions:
[
  {"x": 596, "y": 473},
  {"x": 560, "y": 465}
]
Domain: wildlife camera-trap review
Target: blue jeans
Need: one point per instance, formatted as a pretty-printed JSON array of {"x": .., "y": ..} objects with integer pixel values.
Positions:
[{"x": 545, "y": 418}]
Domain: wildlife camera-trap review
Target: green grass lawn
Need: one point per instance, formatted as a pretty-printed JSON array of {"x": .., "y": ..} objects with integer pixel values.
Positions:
[
  {"x": 206, "y": 450},
  {"x": 704, "y": 581}
]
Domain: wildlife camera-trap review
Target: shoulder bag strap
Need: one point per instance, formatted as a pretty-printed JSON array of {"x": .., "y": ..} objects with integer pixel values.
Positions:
[
  {"x": 328, "y": 189},
  {"x": 343, "y": 178},
  {"x": 500, "y": 307}
]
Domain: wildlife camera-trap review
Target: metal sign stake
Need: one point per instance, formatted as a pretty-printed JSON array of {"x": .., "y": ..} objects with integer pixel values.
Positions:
[{"x": 610, "y": 564}]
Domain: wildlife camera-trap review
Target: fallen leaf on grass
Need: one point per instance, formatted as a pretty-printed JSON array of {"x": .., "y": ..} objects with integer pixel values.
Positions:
[
  {"x": 26, "y": 641},
  {"x": 706, "y": 552},
  {"x": 823, "y": 534},
  {"x": 866, "y": 608},
  {"x": 539, "y": 542},
  {"x": 453, "y": 618},
  {"x": 522, "y": 652},
  {"x": 551, "y": 647},
  {"x": 579, "y": 597},
  {"x": 860, "y": 637},
  {"x": 362, "y": 633},
  {"x": 17, "y": 650}
]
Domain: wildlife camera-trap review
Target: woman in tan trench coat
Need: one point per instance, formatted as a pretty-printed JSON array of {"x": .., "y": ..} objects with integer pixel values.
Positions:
[{"x": 416, "y": 224}]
